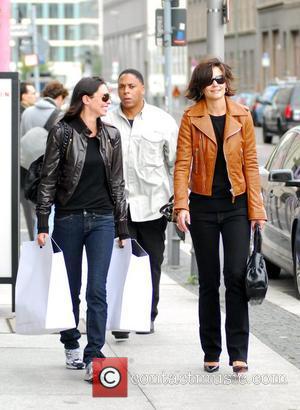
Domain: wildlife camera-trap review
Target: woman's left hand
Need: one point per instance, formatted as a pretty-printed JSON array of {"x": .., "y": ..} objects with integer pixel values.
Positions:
[
  {"x": 121, "y": 243},
  {"x": 259, "y": 222}
]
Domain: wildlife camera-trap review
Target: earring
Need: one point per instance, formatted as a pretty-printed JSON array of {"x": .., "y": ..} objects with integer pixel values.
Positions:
[{"x": 226, "y": 89}]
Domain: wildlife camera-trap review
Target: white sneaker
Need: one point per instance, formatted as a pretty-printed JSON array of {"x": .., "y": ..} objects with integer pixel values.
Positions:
[
  {"x": 89, "y": 373},
  {"x": 74, "y": 359}
]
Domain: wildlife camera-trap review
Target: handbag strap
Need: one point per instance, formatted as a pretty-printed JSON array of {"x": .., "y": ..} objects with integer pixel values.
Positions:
[
  {"x": 257, "y": 239},
  {"x": 55, "y": 243}
]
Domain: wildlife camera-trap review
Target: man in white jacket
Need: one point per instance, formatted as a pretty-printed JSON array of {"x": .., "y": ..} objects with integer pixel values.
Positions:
[{"x": 149, "y": 139}]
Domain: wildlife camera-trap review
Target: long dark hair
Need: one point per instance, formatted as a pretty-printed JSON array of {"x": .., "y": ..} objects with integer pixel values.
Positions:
[
  {"x": 86, "y": 86},
  {"x": 202, "y": 75}
]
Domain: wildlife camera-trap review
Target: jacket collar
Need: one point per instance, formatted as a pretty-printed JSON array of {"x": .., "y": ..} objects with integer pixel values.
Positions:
[{"x": 201, "y": 119}]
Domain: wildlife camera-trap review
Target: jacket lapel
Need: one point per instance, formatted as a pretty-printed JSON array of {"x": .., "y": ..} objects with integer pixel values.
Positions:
[{"x": 201, "y": 120}]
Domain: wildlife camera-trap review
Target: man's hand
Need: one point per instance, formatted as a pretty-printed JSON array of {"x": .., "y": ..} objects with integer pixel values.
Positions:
[{"x": 42, "y": 238}]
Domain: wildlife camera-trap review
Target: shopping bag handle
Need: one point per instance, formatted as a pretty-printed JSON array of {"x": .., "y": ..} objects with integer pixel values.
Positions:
[{"x": 56, "y": 243}]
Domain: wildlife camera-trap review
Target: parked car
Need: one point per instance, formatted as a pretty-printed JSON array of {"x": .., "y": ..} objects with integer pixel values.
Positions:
[
  {"x": 263, "y": 101},
  {"x": 250, "y": 100},
  {"x": 280, "y": 179},
  {"x": 283, "y": 112}
]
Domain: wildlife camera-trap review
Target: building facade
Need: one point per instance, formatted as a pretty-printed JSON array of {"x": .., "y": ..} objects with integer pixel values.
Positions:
[
  {"x": 129, "y": 41},
  {"x": 70, "y": 30},
  {"x": 262, "y": 40},
  {"x": 240, "y": 39},
  {"x": 279, "y": 38}
]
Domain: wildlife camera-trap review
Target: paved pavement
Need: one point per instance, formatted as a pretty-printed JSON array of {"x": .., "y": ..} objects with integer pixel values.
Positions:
[{"x": 165, "y": 368}]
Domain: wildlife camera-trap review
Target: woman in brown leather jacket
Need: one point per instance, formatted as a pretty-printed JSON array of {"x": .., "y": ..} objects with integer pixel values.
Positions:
[
  {"x": 217, "y": 161},
  {"x": 86, "y": 185}
]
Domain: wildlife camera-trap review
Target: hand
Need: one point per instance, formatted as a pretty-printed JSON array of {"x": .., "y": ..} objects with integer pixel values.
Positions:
[
  {"x": 42, "y": 238},
  {"x": 260, "y": 222},
  {"x": 121, "y": 243},
  {"x": 183, "y": 219}
]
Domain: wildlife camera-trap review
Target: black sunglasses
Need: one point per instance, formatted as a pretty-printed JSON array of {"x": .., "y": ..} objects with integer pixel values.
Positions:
[
  {"x": 220, "y": 79},
  {"x": 105, "y": 97}
]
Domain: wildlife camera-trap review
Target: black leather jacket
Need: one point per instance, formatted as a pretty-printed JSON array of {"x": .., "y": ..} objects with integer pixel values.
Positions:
[{"x": 60, "y": 177}]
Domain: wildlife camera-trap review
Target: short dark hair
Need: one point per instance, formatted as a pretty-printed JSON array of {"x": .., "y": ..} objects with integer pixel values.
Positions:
[
  {"x": 202, "y": 75},
  {"x": 23, "y": 88},
  {"x": 85, "y": 86},
  {"x": 134, "y": 72},
  {"x": 55, "y": 89}
]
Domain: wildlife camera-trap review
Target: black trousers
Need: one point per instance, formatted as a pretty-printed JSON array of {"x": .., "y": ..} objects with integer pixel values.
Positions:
[
  {"x": 234, "y": 227},
  {"x": 151, "y": 236}
]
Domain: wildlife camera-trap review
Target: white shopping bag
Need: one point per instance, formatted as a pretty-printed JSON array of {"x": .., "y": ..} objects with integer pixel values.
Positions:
[
  {"x": 43, "y": 299},
  {"x": 129, "y": 289}
]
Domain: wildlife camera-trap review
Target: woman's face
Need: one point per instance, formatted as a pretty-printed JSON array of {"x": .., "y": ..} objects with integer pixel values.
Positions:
[
  {"x": 99, "y": 101},
  {"x": 215, "y": 91}
]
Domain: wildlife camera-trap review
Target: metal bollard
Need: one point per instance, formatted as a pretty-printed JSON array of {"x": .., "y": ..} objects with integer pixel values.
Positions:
[
  {"x": 173, "y": 248},
  {"x": 194, "y": 267}
]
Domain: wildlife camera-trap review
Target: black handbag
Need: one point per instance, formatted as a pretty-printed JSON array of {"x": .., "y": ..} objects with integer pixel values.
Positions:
[
  {"x": 256, "y": 272},
  {"x": 167, "y": 211},
  {"x": 33, "y": 176}
]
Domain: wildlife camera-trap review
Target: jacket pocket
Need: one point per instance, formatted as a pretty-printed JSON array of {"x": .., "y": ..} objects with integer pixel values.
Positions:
[{"x": 152, "y": 149}]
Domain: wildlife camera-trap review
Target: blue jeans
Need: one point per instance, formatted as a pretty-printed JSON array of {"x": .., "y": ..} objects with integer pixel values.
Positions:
[{"x": 95, "y": 232}]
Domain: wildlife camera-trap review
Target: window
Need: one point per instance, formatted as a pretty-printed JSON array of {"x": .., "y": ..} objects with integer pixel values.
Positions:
[
  {"x": 292, "y": 160},
  {"x": 295, "y": 100},
  {"x": 69, "y": 53},
  {"x": 279, "y": 154},
  {"x": 283, "y": 96},
  {"x": 53, "y": 54},
  {"x": 69, "y": 11},
  {"x": 70, "y": 32},
  {"x": 53, "y": 33},
  {"x": 53, "y": 11}
]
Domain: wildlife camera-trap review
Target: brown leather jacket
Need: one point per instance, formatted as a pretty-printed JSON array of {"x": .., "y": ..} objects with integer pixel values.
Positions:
[{"x": 197, "y": 153}]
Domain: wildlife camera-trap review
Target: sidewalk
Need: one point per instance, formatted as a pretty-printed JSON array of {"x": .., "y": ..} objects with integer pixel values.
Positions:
[{"x": 33, "y": 376}]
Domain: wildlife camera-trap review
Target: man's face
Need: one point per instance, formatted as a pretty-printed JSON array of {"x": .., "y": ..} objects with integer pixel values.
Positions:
[
  {"x": 29, "y": 98},
  {"x": 131, "y": 91}
]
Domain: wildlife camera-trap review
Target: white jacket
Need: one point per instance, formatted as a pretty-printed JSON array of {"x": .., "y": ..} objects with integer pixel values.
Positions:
[{"x": 149, "y": 149}]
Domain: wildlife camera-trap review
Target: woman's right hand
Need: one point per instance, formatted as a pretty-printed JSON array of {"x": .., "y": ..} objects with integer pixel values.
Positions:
[
  {"x": 42, "y": 238},
  {"x": 183, "y": 220}
]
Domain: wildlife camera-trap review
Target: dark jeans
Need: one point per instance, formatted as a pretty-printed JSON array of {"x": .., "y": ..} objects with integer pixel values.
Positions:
[
  {"x": 151, "y": 236},
  {"x": 234, "y": 227},
  {"x": 96, "y": 233}
]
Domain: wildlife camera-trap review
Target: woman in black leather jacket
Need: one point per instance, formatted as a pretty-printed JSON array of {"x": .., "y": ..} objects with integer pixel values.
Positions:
[{"x": 83, "y": 176}]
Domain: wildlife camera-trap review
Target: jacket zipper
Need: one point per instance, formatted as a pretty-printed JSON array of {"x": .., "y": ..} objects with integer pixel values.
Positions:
[
  {"x": 231, "y": 189},
  {"x": 105, "y": 166}
]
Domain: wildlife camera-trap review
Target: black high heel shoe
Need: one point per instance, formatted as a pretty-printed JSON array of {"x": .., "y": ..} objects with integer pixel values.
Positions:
[
  {"x": 211, "y": 369},
  {"x": 240, "y": 369}
]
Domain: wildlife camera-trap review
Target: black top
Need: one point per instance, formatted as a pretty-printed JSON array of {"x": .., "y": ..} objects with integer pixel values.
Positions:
[
  {"x": 131, "y": 122},
  {"x": 92, "y": 191},
  {"x": 221, "y": 198}
]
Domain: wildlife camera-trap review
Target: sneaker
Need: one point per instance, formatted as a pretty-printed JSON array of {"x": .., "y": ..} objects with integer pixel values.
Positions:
[
  {"x": 74, "y": 359},
  {"x": 89, "y": 373},
  {"x": 120, "y": 335}
]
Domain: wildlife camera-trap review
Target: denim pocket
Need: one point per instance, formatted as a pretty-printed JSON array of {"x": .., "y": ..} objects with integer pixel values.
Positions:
[{"x": 64, "y": 218}]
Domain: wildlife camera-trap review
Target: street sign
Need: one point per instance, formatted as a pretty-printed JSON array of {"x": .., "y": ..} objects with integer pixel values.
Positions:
[{"x": 178, "y": 20}]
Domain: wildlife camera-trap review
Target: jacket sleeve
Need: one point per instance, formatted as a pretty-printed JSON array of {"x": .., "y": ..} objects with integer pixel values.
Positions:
[
  {"x": 183, "y": 165},
  {"x": 49, "y": 177},
  {"x": 118, "y": 188},
  {"x": 170, "y": 145},
  {"x": 256, "y": 208}
]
